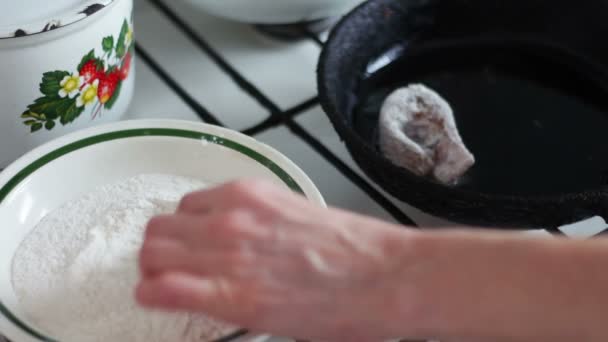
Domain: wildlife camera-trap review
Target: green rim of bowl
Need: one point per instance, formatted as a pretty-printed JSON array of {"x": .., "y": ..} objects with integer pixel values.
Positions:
[{"x": 131, "y": 133}]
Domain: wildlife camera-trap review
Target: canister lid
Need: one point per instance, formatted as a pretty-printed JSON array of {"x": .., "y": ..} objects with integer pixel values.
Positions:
[{"x": 20, "y": 18}]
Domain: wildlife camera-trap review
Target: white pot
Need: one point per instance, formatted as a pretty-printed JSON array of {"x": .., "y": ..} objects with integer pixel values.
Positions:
[
  {"x": 43, "y": 47},
  {"x": 276, "y": 11}
]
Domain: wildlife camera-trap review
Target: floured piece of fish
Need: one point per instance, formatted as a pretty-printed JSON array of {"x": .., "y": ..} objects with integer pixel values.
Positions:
[{"x": 418, "y": 132}]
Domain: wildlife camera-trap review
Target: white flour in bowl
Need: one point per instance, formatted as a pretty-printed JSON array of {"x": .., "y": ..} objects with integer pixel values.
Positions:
[{"x": 76, "y": 272}]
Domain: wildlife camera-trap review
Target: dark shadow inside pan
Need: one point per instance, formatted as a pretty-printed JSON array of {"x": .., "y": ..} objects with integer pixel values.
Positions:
[{"x": 534, "y": 115}]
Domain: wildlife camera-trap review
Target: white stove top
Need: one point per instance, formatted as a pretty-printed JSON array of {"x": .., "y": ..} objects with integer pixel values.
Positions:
[{"x": 191, "y": 65}]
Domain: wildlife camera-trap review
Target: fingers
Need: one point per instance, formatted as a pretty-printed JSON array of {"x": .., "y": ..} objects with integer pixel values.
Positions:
[
  {"x": 224, "y": 196},
  {"x": 219, "y": 230},
  {"x": 217, "y": 297},
  {"x": 199, "y": 202},
  {"x": 158, "y": 256},
  {"x": 166, "y": 256},
  {"x": 175, "y": 227},
  {"x": 222, "y": 243},
  {"x": 157, "y": 253},
  {"x": 184, "y": 292}
]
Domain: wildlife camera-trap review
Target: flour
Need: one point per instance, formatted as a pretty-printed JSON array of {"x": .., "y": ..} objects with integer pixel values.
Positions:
[{"x": 76, "y": 272}]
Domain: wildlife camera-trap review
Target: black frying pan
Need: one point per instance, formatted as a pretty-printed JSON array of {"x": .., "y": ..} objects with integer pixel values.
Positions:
[{"x": 528, "y": 82}]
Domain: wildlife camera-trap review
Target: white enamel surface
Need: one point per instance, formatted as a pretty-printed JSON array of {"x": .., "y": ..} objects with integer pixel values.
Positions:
[
  {"x": 80, "y": 171},
  {"x": 30, "y": 15},
  {"x": 23, "y": 12},
  {"x": 275, "y": 11},
  {"x": 23, "y": 61}
]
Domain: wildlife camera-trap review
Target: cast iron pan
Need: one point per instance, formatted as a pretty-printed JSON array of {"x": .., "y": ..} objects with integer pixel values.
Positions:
[{"x": 528, "y": 82}]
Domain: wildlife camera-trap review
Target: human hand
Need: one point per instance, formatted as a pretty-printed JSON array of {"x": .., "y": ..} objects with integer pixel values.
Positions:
[{"x": 252, "y": 254}]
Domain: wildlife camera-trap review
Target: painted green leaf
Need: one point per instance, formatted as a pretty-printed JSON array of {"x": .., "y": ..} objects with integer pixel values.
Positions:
[
  {"x": 47, "y": 106},
  {"x": 121, "y": 48},
  {"x": 69, "y": 111},
  {"x": 35, "y": 127},
  {"x": 85, "y": 59},
  {"x": 108, "y": 44},
  {"x": 49, "y": 125},
  {"x": 48, "y": 109},
  {"x": 50, "y": 84},
  {"x": 27, "y": 115},
  {"x": 114, "y": 98},
  {"x": 37, "y": 116}
]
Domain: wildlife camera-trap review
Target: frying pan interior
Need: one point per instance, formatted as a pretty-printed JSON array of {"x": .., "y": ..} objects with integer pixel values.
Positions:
[{"x": 535, "y": 122}]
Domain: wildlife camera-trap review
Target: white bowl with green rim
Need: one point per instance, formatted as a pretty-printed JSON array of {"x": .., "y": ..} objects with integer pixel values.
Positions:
[{"x": 68, "y": 167}]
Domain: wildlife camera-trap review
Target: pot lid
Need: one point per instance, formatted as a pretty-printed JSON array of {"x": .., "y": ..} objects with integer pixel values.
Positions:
[{"x": 20, "y": 18}]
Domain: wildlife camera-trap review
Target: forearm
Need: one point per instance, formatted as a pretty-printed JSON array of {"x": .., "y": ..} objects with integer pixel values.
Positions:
[{"x": 490, "y": 287}]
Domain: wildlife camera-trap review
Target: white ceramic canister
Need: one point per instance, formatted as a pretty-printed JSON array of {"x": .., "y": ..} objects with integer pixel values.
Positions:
[{"x": 64, "y": 65}]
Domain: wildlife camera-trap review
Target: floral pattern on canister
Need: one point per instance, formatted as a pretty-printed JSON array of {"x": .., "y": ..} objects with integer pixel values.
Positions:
[{"x": 93, "y": 87}]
